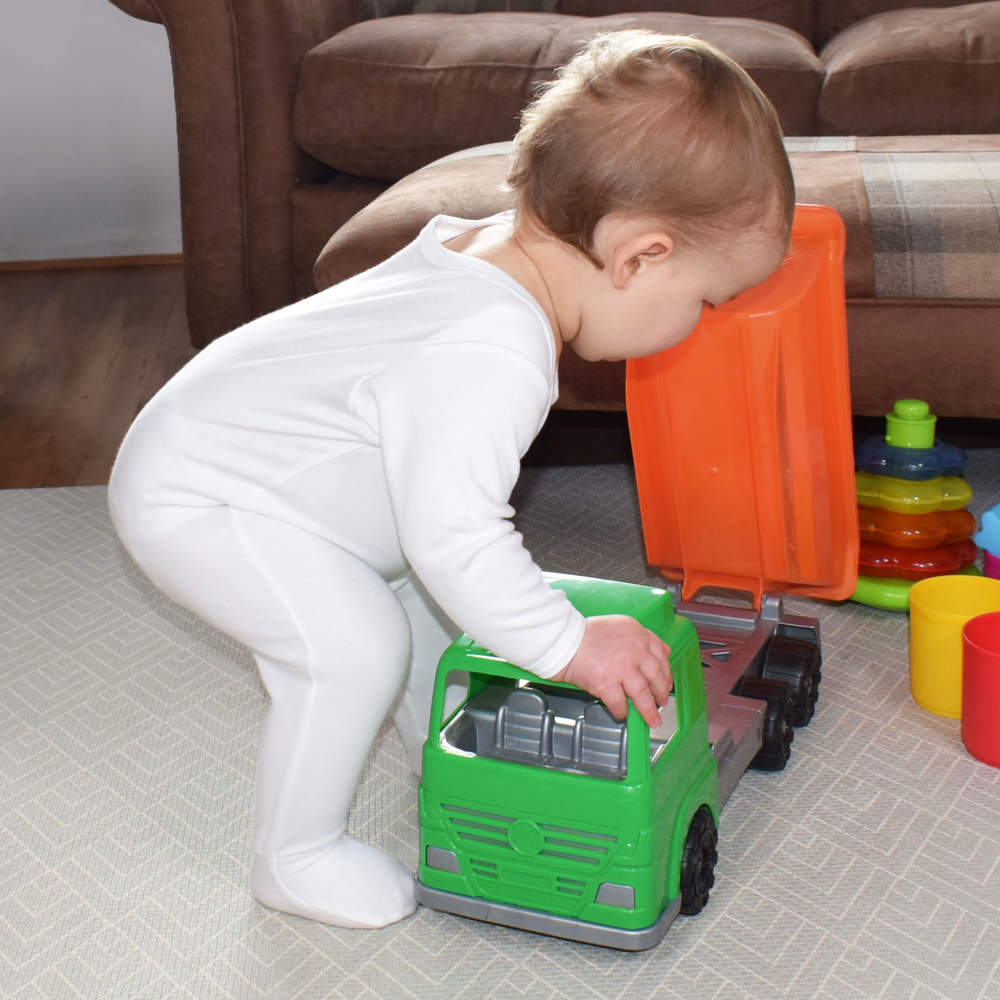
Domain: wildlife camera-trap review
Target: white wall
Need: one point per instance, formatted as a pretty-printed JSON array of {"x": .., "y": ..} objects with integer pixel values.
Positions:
[{"x": 88, "y": 145}]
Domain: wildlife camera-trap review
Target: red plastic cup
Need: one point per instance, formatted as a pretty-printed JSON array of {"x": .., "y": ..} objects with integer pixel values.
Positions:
[{"x": 981, "y": 687}]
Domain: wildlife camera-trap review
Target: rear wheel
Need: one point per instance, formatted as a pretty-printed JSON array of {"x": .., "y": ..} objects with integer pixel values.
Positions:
[
  {"x": 796, "y": 662},
  {"x": 698, "y": 863},
  {"x": 776, "y": 746}
]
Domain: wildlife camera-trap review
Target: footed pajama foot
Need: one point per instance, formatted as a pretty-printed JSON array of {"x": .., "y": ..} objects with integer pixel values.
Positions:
[{"x": 347, "y": 883}]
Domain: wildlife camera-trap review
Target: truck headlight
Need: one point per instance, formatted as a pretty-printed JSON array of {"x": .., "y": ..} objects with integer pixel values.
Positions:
[
  {"x": 441, "y": 859},
  {"x": 613, "y": 894}
]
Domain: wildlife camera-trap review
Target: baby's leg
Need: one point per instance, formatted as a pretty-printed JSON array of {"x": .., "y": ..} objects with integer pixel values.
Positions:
[
  {"x": 329, "y": 695},
  {"x": 431, "y": 631},
  {"x": 332, "y": 644}
]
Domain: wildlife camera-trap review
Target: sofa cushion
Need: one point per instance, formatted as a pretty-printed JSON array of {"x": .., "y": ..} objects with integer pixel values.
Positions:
[
  {"x": 795, "y": 14},
  {"x": 935, "y": 230},
  {"x": 799, "y": 15},
  {"x": 833, "y": 16},
  {"x": 914, "y": 72},
  {"x": 390, "y": 8},
  {"x": 383, "y": 98}
]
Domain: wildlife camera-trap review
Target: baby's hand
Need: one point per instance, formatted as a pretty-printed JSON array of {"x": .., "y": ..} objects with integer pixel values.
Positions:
[{"x": 619, "y": 659}]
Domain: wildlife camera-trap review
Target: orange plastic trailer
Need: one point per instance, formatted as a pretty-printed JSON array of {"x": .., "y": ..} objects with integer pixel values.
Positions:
[{"x": 742, "y": 435}]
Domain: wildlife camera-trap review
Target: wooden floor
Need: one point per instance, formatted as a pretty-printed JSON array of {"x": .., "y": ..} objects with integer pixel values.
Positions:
[{"x": 80, "y": 353}]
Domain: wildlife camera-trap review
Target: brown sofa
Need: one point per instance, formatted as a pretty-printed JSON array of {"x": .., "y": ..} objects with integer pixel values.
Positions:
[{"x": 294, "y": 116}]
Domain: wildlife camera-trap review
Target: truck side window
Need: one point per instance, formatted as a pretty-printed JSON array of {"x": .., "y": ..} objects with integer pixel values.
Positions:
[{"x": 664, "y": 732}]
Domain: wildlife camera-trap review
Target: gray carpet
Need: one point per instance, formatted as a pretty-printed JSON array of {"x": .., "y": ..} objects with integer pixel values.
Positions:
[{"x": 869, "y": 868}]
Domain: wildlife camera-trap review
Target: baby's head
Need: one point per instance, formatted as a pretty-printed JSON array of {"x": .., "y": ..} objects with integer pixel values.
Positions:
[{"x": 664, "y": 126}]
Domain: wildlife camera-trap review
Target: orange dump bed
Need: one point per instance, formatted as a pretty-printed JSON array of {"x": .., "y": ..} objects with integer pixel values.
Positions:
[{"x": 742, "y": 434}]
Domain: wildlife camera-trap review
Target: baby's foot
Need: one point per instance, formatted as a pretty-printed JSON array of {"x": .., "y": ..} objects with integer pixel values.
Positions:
[{"x": 348, "y": 883}]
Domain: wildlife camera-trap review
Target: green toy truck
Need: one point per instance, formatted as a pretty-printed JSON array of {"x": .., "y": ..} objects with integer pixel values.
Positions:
[{"x": 539, "y": 810}]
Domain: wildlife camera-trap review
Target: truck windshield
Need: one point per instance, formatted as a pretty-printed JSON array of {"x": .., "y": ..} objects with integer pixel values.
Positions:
[{"x": 545, "y": 726}]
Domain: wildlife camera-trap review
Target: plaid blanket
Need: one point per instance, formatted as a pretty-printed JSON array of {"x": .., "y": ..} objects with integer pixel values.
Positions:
[{"x": 922, "y": 212}]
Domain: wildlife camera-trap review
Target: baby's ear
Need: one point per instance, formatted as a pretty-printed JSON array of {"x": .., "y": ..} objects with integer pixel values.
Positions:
[{"x": 639, "y": 253}]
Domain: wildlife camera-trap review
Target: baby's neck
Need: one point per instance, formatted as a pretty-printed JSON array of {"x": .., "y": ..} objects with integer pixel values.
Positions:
[{"x": 530, "y": 258}]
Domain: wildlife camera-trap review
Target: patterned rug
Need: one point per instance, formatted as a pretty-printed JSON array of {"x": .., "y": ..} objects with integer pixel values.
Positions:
[{"x": 869, "y": 867}]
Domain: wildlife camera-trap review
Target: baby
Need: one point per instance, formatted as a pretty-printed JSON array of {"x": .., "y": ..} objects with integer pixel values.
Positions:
[{"x": 330, "y": 483}]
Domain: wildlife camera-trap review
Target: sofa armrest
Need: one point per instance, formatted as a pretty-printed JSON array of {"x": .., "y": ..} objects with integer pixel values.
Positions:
[
  {"x": 235, "y": 65},
  {"x": 144, "y": 10}
]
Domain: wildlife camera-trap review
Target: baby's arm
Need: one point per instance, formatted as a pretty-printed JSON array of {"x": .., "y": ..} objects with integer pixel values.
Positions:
[{"x": 454, "y": 421}]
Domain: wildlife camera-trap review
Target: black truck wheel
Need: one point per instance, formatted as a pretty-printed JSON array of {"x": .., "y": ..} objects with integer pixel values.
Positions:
[
  {"x": 796, "y": 662},
  {"x": 776, "y": 746},
  {"x": 698, "y": 863}
]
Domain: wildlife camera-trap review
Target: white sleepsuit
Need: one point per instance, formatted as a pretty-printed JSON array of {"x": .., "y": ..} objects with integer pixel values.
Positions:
[{"x": 330, "y": 485}]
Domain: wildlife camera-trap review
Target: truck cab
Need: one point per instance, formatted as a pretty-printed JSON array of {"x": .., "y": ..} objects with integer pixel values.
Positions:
[{"x": 540, "y": 810}]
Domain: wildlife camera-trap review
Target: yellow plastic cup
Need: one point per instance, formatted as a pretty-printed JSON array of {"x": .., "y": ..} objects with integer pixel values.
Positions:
[{"x": 939, "y": 608}]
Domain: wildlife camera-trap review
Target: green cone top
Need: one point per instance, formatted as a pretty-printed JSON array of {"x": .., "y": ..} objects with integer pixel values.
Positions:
[{"x": 910, "y": 425}]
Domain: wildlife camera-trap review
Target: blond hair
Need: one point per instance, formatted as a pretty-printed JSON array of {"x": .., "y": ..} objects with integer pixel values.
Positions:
[{"x": 644, "y": 123}]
